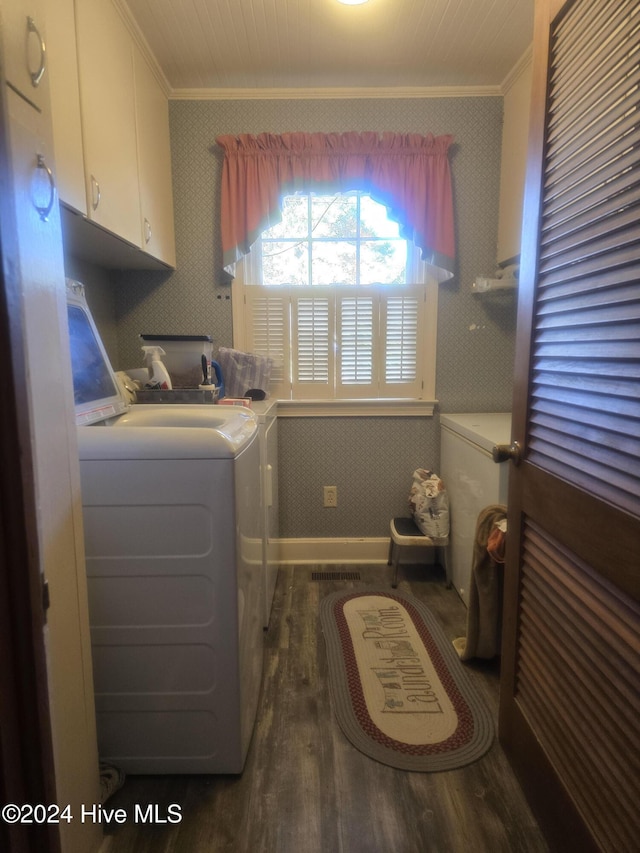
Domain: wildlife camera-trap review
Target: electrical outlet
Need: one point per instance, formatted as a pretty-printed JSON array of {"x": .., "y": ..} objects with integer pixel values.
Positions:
[{"x": 331, "y": 496}]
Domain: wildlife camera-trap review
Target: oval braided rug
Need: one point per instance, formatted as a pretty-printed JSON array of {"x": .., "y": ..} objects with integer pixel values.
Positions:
[{"x": 401, "y": 694}]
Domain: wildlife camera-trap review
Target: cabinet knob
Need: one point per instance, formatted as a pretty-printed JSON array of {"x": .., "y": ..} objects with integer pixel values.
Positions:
[{"x": 36, "y": 76}]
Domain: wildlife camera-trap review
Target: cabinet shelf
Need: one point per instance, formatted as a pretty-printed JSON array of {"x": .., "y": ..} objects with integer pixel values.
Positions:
[{"x": 90, "y": 242}]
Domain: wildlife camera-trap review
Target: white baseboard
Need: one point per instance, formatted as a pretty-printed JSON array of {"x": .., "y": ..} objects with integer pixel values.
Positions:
[
  {"x": 333, "y": 550},
  {"x": 373, "y": 550}
]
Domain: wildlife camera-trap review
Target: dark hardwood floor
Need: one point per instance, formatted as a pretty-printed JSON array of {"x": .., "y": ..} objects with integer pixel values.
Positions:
[{"x": 305, "y": 788}]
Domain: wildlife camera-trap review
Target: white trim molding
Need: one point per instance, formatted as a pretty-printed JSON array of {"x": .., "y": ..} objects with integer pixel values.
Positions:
[
  {"x": 361, "y": 93},
  {"x": 355, "y": 408},
  {"x": 518, "y": 69},
  {"x": 321, "y": 550},
  {"x": 365, "y": 551},
  {"x": 142, "y": 43}
]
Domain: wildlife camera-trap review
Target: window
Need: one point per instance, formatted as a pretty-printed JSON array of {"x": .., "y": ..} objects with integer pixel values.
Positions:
[
  {"x": 339, "y": 301},
  {"x": 333, "y": 240}
]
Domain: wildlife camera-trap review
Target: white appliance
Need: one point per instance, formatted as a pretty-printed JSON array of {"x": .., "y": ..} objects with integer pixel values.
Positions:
[
  {"x": 268, "y": 428},
  {"x": 472, "y": 479},
  {"x": 172, "y": 515}
]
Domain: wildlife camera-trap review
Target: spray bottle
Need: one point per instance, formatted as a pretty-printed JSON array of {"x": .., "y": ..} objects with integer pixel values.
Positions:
[{"x": 158, "y": 374}]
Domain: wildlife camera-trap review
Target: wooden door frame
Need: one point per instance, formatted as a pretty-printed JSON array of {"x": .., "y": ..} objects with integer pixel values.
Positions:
[{"x": 27, "y": 773}]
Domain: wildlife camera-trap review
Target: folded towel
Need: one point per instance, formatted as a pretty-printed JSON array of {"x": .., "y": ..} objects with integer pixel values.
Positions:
[
  {"x": 497, "y": 541},
  {"x": 484, "y": 616}
]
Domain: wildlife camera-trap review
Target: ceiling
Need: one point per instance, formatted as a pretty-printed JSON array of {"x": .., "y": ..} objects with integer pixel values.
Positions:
[{"x": 322, "y": 45}]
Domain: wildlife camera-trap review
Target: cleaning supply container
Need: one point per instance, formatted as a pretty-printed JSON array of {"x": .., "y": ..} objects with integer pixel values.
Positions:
[
  {"x": 183, "y": 356},
  {"x": 158, "y": 373}
]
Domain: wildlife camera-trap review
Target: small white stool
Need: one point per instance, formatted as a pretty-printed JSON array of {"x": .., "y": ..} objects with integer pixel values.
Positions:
[{"x": 406, "y": 534}]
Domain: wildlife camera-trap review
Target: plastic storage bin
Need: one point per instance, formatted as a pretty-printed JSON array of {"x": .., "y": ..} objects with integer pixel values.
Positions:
[{"x": 183, "y": 357}]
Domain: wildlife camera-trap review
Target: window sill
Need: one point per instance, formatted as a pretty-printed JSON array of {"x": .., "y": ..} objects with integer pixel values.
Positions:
[{"x": 355, "y": 408}]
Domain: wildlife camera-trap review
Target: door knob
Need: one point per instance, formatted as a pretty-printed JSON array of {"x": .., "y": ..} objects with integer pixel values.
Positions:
[{"x": 505, "y": 452}]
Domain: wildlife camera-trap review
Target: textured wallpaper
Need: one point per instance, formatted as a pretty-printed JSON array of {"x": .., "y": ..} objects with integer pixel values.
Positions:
[{"x": 369, "y": 459}]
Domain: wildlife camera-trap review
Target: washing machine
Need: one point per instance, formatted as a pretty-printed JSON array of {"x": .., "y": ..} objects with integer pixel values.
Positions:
[{"x": 172, "y": 522}]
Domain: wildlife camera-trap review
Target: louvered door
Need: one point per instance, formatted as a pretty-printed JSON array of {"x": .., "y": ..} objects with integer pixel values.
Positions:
[{"x": 570, "y": 707}]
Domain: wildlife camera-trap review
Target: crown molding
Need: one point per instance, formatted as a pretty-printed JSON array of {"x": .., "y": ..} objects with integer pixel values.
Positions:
[
  {"x": 315, "y": 93},
  {"x": 138, "y": 37},
  {"x": 518, "y": 69},
  {"x": 230, "y": 94}
]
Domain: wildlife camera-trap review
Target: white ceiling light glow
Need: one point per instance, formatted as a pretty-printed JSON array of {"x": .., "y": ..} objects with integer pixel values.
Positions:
[{"x": 352, "y": 2}]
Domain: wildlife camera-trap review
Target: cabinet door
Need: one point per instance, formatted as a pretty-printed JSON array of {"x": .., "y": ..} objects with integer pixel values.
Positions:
[
  {"x": 24, "y": 47},
  {"x": 107, "y": 100},
  {"x": 65, "y": 102},
  {"x": 154, "y": 163},
  {"x": 38, "y": 262}
]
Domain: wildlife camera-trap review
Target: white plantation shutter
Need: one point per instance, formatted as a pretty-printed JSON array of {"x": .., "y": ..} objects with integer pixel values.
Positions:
[
  {"x": 403, "y": 318},
  {"x": 312, "y": 325},
  {"x": 357, "y": 324},
  {"x": 342, "y": 342},
  {"x": 267, "y": 316}
]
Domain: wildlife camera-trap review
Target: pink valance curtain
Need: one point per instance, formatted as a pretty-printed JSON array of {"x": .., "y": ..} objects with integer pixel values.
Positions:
[{"x": 407, "y": 172}]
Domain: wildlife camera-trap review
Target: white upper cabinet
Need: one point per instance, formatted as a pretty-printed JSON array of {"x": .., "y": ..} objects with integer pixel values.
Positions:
[
  {"x": 154, "y": 163},
  {"x": 515, "y": 133},
  {"x": 65, "y": 102},
  {"x": 111, "y": 134},
  {"x": 107, "y": 103},
  {"x": 25, "y": 50}
]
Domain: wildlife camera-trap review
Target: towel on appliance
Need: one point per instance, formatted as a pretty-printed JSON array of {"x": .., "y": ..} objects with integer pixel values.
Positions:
[
  {"x": 497, "y": 541},
  {"x": 484, "y": 616}
]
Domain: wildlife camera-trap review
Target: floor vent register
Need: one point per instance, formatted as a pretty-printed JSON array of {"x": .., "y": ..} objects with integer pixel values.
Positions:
[{"x": 335, "y": 576}]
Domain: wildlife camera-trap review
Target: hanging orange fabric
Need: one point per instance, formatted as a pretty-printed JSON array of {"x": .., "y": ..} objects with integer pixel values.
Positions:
[{"x": 406, "y": 172}]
